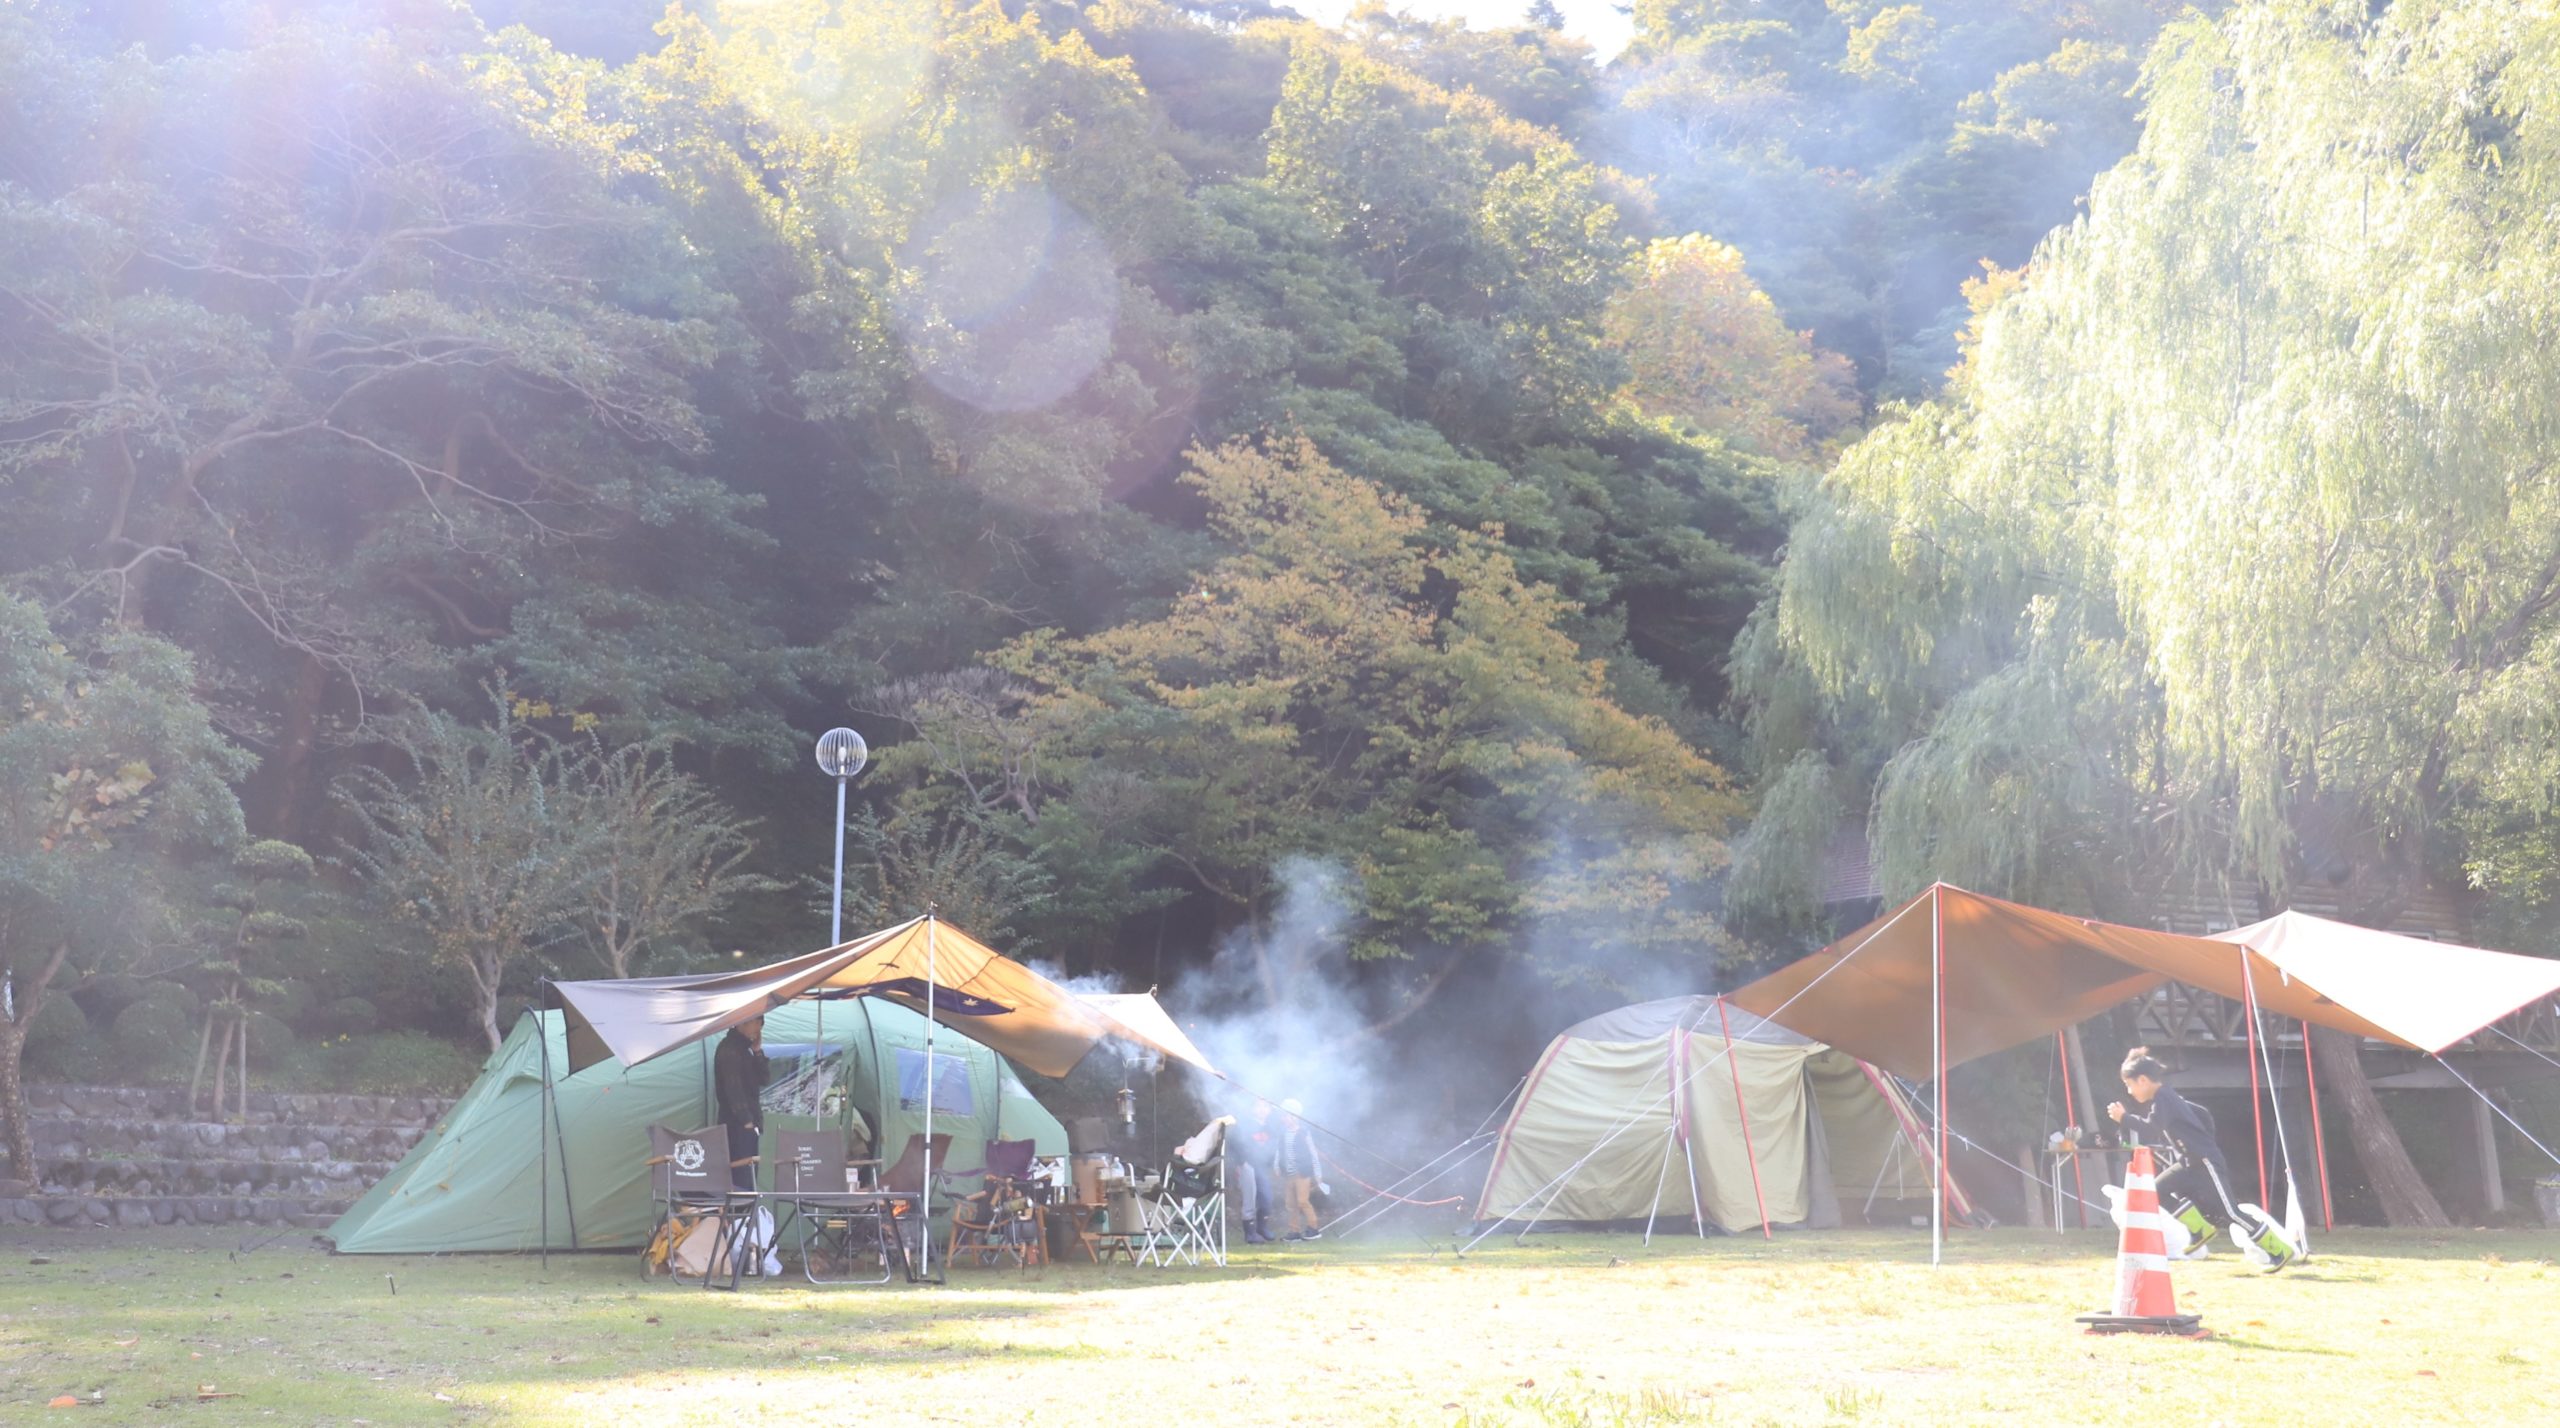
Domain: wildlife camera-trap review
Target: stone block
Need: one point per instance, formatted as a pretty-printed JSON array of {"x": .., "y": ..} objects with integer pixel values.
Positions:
[{"x": 132, "y": 1214}]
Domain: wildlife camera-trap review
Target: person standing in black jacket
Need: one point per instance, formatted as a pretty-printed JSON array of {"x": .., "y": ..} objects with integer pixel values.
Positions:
[{"x": 738, "y": 1071}]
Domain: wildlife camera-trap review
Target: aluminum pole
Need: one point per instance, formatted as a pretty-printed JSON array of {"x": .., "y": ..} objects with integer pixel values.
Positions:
[
  {"x": 924, "y": 1215},
  {"x": 1938, "y": 1063}
]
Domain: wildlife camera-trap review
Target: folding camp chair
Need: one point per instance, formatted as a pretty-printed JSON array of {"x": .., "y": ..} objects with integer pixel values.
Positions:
[
  {"x": 828, "y": 1217},
  {"x": 692, "y": 1176},
  {"x": 1186, "y": 1205},
  {"x": 1004, "y": 1214},
  {"x": 906, "y": 1178}
]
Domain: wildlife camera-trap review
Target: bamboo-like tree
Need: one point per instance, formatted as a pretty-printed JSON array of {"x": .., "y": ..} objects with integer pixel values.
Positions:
[
  {"x": 481, "y": 844},
  {"x": 226, "y": 1014},
  {"x": 668, "y": 854}
]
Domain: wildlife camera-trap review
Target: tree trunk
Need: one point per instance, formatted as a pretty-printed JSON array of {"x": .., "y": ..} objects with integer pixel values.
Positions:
[
  {"x": 13, "y": 1088},
  {"x": 2406, "y": 1200},
  {"x": 489, "y": 1016},
  {"x": 290, "y": 789},
  {"x": 13, "y": 1103}
]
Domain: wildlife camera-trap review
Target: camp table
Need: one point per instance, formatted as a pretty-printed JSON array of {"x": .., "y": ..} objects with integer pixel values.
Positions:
[
  {"x": 2059, "y": 1167},
  {"x": 788, "y": 1205}
]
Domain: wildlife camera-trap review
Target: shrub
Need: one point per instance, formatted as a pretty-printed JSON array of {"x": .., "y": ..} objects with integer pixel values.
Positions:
[
  {"x": 62, "y": 1045},
  {"x": 150, "y": 1036},
  {"x": 404, "y": 1063},
  {"x": 346, "y": 1016},
  {"x": 270, "y": 1040}
]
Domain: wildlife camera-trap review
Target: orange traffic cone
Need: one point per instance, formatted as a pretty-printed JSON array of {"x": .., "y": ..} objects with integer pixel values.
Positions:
[{"x": 2145, "y": 1304}]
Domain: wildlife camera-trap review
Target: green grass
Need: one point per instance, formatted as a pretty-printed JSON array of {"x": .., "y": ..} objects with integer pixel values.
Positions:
[{"x": 1846, "y": 1328}]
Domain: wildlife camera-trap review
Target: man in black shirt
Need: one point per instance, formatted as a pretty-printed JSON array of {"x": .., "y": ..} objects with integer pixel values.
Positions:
[{"x": 738, "y": 1071}]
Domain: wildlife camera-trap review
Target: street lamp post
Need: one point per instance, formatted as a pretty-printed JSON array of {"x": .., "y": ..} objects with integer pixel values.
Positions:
[{"x": 841, "y": 755}]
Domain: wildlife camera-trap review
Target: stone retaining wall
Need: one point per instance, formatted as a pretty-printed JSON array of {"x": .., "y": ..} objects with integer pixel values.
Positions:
[{"x": 130, "y": 1157}]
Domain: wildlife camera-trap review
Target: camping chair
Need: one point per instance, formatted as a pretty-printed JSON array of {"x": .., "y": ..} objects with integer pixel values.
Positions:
[
  {"x": 692, "y": 1179},
  {"x": 1186, "y": 1203},
  {"x": 809, "y": 1183},
  {"x": 1004, "y": 1215},
  {"x": 905, "y": 1178}
]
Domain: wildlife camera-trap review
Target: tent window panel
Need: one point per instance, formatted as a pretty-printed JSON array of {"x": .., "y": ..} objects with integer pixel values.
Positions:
[{"x": 952, "y": 1093}]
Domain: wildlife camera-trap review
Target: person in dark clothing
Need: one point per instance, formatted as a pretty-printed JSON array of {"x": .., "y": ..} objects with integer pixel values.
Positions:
[
  {"x": 2160, "y": 1117},
  {"x": 1256, "y": 1153},
  {"x": 738, "y": 1071}
]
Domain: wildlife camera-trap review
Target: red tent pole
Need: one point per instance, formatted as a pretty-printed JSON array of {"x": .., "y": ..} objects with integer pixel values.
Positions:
[
  {"x": 2319, "y": 1146},
  {"x": 2070, "y": 1117},
  {"x": 1938, "y": 1056},
  {"x": 2257, "y": 1121},
  {"x": 1745, "y": 1112}
]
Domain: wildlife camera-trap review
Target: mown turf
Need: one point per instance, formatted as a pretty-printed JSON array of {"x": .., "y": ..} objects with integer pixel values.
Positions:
[{"x": 1813, "y": 1329}]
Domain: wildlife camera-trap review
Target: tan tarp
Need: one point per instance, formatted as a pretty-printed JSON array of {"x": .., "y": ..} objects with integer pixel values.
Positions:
[
  {"x": 2016, "y": 973},
  {"x": 2430, "y": 994},
  {"x": 1820, "y": 1131},
  {"x": 1143, "y": 1019},
  {"x": 979, "y": 993}
]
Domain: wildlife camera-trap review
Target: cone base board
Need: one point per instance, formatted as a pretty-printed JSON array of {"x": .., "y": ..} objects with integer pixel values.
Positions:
[{"x": 2185, "y": 1326}]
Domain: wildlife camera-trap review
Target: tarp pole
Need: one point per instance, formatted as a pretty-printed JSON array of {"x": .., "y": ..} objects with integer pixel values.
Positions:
[
  {"x": 2070, "y": 1117},
  {"x": 2257, "y": 1107},
  {"x": 1697, "y": 1202},
  {"x": 543, "y": 1135},
  {"x": 1744, "y": 1111},
  {"x": 2319, "y": 1143},
  {"x": 1938, "y": 1065},
  {"x": 924, "y": 1201},
  {"x": 1670, "y": 1068}
]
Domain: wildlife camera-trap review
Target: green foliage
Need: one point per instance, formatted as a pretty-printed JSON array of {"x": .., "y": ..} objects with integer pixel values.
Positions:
[
  {"x": 1866, "y": 156},
  {"x": 486, "y": 850},
  {"x": 62, "y": 1044},
  {"x": 150, "y": 1037},
  {"x": 2174, "y": 582}
]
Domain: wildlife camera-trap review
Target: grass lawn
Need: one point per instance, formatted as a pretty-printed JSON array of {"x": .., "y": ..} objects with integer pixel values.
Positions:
[{"x": 2383, "y": 1328}]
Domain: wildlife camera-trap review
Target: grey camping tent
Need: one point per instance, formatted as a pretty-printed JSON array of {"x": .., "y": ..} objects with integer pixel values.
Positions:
[{"x": 1598, "y": 1134}]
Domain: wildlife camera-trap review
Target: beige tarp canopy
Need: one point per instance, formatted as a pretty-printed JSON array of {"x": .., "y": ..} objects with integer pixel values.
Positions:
[
  {"x": 976, "y": 991},
  {"x": 1598, "y": 1135},
  {"x": 2014, "y": 973}
]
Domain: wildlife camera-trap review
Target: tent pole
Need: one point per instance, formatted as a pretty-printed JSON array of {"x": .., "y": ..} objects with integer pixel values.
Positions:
[
  {"x": 2257, "y": 1106},
  {"x": 544, "y": 1136},
  {"x": 1938, "y": 1065},
  {"x": 1662, "y": 1172},
  {"x": 2070, "y": 1117},
  {"x": 924, "y": 1202},
  {"x": 1743, "y": 1111},
  {"x": 2319, "y": 1145}
]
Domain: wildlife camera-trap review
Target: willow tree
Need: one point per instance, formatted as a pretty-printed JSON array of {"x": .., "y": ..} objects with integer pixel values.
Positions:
[{"x": 2236, "y": 537}]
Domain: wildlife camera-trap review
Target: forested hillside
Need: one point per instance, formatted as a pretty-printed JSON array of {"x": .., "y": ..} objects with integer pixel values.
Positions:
[{"x": 1220, "y": 461}]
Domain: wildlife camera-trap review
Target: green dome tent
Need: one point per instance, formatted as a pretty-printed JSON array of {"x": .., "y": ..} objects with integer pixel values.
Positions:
[
  {"x": 1597, "y": 1137},
  {"x": 476, "y": 1181}
]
